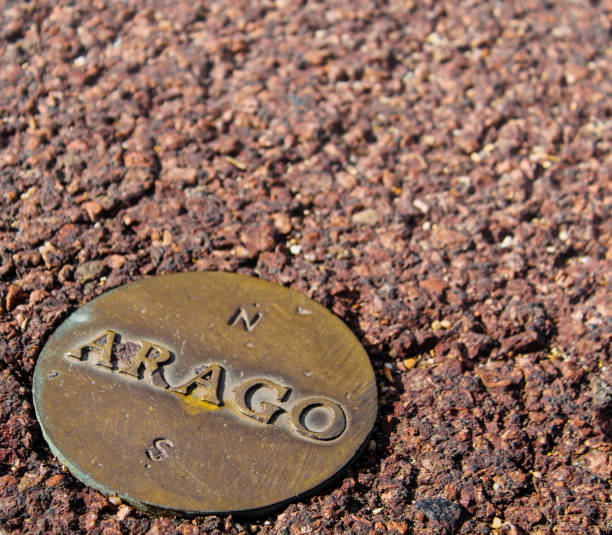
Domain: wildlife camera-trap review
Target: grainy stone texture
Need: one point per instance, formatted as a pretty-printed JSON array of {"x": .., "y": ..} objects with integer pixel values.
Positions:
[{"x": 437, "y": 173}]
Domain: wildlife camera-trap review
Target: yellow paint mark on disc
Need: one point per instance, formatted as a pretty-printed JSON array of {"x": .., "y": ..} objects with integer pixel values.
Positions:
[{"x": 193, "y": 406}]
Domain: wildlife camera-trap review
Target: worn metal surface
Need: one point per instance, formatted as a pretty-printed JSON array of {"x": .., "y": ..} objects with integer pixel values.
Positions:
[{"x": 204, "y": 392}]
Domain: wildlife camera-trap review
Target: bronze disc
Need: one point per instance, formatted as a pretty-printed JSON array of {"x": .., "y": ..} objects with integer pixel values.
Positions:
[{"x": 204, "y": 393}]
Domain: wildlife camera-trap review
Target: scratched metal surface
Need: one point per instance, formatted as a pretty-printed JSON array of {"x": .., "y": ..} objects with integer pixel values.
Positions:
[{"x": 165, "y": 450}]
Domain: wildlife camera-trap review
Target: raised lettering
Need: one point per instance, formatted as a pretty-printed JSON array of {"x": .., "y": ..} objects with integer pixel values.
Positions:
[
  {"x": 103, "y": 351},
  {"x": 243, "y": 395},
  {"x": 149, "y": 357},
  {"x": 241, "y": 314},
  {"x": 318, "y": 418},
  {"x": 157, "y": 452},
  {"x": 259, "y": 398},
  {"x": 204, "y": 386}
]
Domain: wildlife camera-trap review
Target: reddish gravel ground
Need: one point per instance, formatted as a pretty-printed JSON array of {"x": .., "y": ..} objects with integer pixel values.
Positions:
[{"x": 437, "y": 173}]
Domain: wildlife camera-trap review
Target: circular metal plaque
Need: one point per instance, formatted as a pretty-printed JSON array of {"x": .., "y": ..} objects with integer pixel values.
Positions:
[{"x": 204, "y": 393}]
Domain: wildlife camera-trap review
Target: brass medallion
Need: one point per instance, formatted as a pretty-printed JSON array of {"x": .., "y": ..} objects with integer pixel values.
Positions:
[{"x": 204, "y": 393}]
